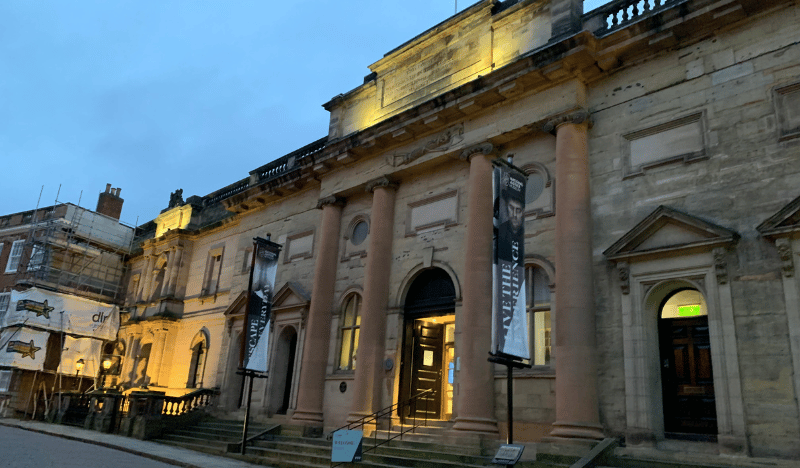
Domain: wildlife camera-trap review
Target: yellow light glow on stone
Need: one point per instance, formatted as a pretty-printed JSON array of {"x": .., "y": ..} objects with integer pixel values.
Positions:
[{"x": 176, "y": 218}]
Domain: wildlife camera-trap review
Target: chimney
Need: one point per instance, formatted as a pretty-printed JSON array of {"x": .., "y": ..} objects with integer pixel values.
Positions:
[{"x": 109, "y": 203}]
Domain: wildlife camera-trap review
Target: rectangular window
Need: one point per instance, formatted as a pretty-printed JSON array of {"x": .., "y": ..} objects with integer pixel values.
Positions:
[
  {"x": 787, "y": 105},
  {"x": 37, "y": 258},
  {"x": 5, "y": 299},
  {"x": 5, "y": 380},
  {"x": 539, "y": 323},
  {"x": 213, "y": 269},
  {"x": 14, "y": 256},
  {"x": 349, "y": 331}
]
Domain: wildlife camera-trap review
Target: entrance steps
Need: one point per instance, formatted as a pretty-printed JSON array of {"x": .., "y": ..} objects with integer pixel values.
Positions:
[{"x": 285, "y": 446}]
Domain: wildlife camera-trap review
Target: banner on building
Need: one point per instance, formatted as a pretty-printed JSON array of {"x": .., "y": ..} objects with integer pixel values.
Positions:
[
  {"x": 23, "y": 348},
  {"x": 259, "y": 304},
  {"x": 64, "y": 313},
  {"x": 509, "y": 321}
]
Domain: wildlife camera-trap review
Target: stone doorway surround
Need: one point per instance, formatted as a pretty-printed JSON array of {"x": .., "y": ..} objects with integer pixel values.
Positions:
[
  {"x": 666, "y": 251},
  {"x": 783, "y": 229}
]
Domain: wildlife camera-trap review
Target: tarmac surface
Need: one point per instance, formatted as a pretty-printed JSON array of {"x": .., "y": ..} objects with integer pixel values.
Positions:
[{"x": 34, "y": 444}]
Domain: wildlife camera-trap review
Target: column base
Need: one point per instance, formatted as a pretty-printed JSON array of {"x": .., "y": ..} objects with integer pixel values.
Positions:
[
  {"x": 308, "y": 418},
  {"x": 480, "y": 425},
  {"x": 575, "y": 431}
]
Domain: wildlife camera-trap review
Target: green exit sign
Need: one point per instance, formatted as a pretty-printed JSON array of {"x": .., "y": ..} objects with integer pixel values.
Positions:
[{"x": 689, "y": 310}]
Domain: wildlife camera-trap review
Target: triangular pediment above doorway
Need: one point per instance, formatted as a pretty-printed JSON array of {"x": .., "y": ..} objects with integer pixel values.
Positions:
[
  {"x": 785, "y": 221},
  {"x": 666, "y": 231},
  {"x": 290, "y": 295},
  {"x": 237, "y": 307}
]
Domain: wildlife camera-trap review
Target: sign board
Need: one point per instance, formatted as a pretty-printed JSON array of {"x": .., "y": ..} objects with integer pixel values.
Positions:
[
  {"x": 509, "y": 321},
  {"x": 346, "y": 446},
  {"x": 63, "y": 313},
  {"x": 23, "y": 348},
  {"x": 259, "y": 304},
  {"x": 508, "y": 454}
]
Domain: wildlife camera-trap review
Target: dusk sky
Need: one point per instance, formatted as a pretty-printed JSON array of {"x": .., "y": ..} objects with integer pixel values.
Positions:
[{"x": 152, "y": 96}]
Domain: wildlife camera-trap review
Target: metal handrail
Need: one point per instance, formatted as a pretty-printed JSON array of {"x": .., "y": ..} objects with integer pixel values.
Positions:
[{"x": 383, "y": 413}]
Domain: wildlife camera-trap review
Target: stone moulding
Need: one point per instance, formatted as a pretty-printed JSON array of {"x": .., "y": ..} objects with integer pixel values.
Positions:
[
  {"x": 437, "y": 144},
  {"x": 482, "y": 148}
]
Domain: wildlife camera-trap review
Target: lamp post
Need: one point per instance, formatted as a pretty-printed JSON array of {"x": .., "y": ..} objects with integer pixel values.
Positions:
[{"x": 78, "y": 368}]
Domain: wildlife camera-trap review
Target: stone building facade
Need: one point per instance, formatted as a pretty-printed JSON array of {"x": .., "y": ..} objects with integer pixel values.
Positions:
[{"x": 662, "y": 226}]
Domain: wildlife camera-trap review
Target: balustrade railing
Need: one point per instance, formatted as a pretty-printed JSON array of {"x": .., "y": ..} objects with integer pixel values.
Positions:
[
  {"x": 176, "y": 406},
  {"x": 617, "y": 15}
]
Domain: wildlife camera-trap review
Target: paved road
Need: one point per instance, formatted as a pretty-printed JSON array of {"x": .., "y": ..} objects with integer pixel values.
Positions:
[{"x": 25, "y": 449}]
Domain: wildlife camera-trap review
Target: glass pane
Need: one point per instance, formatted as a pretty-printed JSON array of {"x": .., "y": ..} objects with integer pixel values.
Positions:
[
  {"x": 355, "y": 349},
  {"x": 349, "y": 310},
  {"x": 534, "y": 187},
  {"x": 344, "y": 357},
  {"x": 686, "y": 303},
  {"x": 540, "y": 288},
  {"x": 360, "y": 231},
  {"x": 539, "y": 323}
]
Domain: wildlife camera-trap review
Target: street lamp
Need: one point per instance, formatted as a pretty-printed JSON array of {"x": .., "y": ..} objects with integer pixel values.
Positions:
[
  {"x": 78, "y": 368},
  {"x": 106, "y": 366}
]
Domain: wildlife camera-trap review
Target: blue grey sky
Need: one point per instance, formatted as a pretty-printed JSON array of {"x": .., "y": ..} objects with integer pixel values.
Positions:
[{"x": 152, "y": 96}]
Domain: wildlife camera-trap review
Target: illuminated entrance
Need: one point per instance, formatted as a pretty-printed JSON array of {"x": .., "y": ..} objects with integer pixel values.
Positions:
[
  {"x": 686, "y": 377},
  {"x": 428, "y": 345}
]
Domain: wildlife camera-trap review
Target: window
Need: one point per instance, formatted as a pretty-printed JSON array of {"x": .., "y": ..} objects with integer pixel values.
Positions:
[
  {"x": 5, "y": 380},
  {"x": 5, "y": 299},
  {"x": 247, "y": 260},
  {"x": 197, "y": 364},
  {"x": 360, "y": 231},
  {"x": 787, "y": 105},
  {"x": 14, "y": 256},
  {"x": 356, "y": 237},
  {"x": 539, "y": 199},
  {"x": 213, "y": 268},
  {"x": 350, "y": 324},
  {"x": 37, "y": 258},
  {"x": 539, "y": 321}
]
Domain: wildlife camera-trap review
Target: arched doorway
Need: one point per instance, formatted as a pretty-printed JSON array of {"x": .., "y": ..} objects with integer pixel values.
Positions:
[
  {"x": 686, "y": 375},
  {"x": 283, "y": 370},
  {"x": 428, "y": 345}
]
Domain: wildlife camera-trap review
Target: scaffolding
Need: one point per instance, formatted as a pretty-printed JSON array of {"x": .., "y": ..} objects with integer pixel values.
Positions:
[{"x": 76, "y": 251}]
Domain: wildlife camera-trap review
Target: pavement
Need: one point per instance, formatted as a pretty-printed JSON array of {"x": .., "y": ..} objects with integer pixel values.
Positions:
[{"x": 162, "y": 453}]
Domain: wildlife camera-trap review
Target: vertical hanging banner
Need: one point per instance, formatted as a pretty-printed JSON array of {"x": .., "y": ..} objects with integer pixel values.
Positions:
[
  {"x": 509, "y": 321},
  {"x": 259, "y": 304}
]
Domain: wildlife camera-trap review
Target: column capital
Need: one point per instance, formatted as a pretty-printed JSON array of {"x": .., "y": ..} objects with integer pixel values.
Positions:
[
  {"x": 380, "y": 182},
  {"x": 576, "y": 117},
  {"x": 484, "y": 148},
  {"x": 331, "y": 200},
  {"x": 785, "y": 251}
]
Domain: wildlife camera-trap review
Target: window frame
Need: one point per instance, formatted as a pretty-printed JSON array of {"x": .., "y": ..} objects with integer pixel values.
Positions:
[
  {"x": 12, "y": 256},
  {"x": 4, "y": 311},
  {"x": 531, "y": 309},
  {"x": 351, "y": 329},
  {"x": 208, "y": 279}
]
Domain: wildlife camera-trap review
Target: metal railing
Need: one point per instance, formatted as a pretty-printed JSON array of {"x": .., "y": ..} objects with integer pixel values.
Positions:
[{"x": 386, "y": 413}]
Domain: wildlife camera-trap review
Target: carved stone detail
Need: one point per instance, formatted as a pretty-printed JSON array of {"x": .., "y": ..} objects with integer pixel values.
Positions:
[
  {"x": 624, "y": 272},
  {"x": 438, "y": 144},
  {"x": 482, "y": 148},
  {"x": 176, "y": 198},
  {"x": 785, "y": 251},
  {"x": 380, "y": 182},
  {"x": 577, "y": 117},
  {"x": 331, "y": 200},
  {"x": 721, "y": 265}
]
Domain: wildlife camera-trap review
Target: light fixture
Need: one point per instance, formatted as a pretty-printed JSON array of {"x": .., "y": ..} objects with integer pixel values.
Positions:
[
  {"x": 106, "y": 364},
  {"x": 79, "y": 366}
]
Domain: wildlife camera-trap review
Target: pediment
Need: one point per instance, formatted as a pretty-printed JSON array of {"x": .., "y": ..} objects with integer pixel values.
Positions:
[
  {"x": 785, "y": 221},
  {"x": 238, "y": 306},
  {"x": 667, "y": 230},
  {"x": 290, "y": 295}
]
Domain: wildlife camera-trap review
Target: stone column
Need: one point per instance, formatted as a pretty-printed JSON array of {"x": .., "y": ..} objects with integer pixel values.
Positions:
[
  {"x": 369, "y": 357},
  {"x": 168, "y": 273},
  {"x": 156, "y": 356},
  {"x": 475, "y": 392},
  {"x": 177, "y": 253},
  {"x": 144, "y": 285},
  {"x": 577, "y": 408},
  {"x": 311, "y": 388}
]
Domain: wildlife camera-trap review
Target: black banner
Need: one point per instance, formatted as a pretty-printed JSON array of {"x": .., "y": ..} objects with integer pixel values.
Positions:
[
  {"x": 509, "y": 321},
  {"x": 259, "y": 304}
]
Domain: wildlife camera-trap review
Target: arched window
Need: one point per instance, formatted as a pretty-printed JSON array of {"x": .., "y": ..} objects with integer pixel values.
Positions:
[
  {"x": 349, "y": 328},
  {"x": 539, "y": 320},
  {"x": 198, "y": 362}
]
